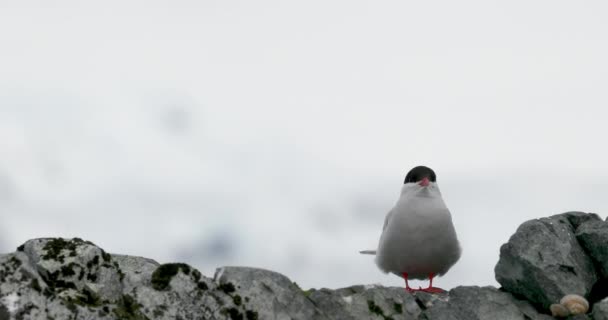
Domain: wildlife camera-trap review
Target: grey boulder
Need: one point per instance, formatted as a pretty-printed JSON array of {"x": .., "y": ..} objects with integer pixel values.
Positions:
[
  {"x": 481, "y": 303},
  {"x": 543, "y": 261},
  {"x": 273, "y": 295},
  {"x": 75, "y": 279},
  {"x": 366, "y": 302}
]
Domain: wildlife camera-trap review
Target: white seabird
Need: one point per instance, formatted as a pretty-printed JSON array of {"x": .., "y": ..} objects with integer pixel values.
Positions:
[{"x": 418, "y": 239}]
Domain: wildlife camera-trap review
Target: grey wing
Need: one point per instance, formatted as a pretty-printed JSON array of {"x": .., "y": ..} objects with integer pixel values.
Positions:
[{"x": 386, "y": 220}]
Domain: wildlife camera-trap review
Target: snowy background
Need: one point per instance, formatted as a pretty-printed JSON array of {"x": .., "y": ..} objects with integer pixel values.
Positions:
[{"x": 277, "y": 134}]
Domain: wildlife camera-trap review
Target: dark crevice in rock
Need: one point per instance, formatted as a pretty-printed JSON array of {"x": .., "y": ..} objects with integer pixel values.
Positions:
[
  {"x": 267, "y": 287},
  {"x": 599, "y": 291},
  {"x": 566, "y": 268},
  {"x": 420, "y": 304}
]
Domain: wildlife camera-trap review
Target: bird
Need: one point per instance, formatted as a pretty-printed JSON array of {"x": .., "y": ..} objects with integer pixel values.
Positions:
[{"x": 418, "y": 239}]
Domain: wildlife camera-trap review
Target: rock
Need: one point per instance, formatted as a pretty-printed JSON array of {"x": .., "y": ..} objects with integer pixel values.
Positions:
[
  {"x": 77, "y": 265},
  {"x": 75, "y": 279},
  {"x": 366, "y": 302},
  {"x": 178, "y": 291},
  {"x": 593, "y": 236},
  {"x": 576, "y": 218},
  {"x": 273, "y": 295},
  {"x": 600, "y": 310},
  {"x": 543, "y": 261},
  {"x": 481, "y": 303}
]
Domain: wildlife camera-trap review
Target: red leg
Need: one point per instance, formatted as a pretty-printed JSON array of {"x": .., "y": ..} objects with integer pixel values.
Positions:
[
  {"x": 407, "y": 285},
  {"x": 432, "y": 289}
]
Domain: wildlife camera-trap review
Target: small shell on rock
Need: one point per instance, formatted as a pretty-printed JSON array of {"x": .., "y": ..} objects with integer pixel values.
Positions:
[
  {"x": 559, "y": 311},
  {"x": 575, "y": 304}
]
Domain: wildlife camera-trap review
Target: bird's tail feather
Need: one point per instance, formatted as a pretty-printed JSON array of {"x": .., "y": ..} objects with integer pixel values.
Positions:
[{"x": 372, "y": 252}]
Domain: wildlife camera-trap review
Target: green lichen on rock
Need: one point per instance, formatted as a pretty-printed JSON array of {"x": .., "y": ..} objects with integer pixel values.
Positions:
[
  {"x": 9, "y": 267},
  {"x": 101, "y": 313},
  {"x": 54, "y": 282},
  {"x": 196, "y": 275},
  {"x": 24, "y": 311},
  {"x": 88, "y": 299},
  {"x": 93, "y": 262},
  {"x": 57, "y": 280},
  {"x": 68, "y": 270},
  {"x": 234, "y": 313},
  {"x": 106, "y": 256},
  {"x": 251, "y": 315},
  {"x": 375, "y": 309},
  {"x": 161, "y": 277},
  {"x": 227, "y": 287},
  {"x": 16, "y": 263},
  {"x": 34, "y": 284},
  {"x": 121, "y": 274},
  {"x": 54, "y": 248},
  {"x": 92, "y": 277},
  {"x": 127, "y": 308},
  {"x": 398, "y": 307},
  {"x": 159, "y": 311},
  {"x": 71, "y": 306},
  {"x": 201, "y": 285}
]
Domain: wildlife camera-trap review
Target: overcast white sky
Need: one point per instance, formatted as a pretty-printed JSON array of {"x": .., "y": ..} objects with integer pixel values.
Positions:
[{"x": 277, "y": 134}]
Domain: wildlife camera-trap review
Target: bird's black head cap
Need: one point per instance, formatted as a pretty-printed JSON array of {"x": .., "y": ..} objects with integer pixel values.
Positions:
[{"x": 418, "y": 173}]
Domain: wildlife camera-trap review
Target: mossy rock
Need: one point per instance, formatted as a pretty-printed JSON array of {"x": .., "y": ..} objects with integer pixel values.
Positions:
[
  {"x": 375, "y": 309},
  {"x": 161, "y": 277},
  {"x": 54, "y": 248},
  {"x": 128, "y": 309}
]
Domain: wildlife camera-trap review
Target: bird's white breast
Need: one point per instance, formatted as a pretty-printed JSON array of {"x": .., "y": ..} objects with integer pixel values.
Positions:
[{"x": 419, "y": 237}]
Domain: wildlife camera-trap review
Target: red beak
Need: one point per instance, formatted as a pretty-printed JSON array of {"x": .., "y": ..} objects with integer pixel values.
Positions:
[{"x": 424, "y": 182}]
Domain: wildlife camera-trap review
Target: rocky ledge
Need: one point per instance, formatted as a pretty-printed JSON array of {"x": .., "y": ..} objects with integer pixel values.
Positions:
[{"x": 545, "y": 260}]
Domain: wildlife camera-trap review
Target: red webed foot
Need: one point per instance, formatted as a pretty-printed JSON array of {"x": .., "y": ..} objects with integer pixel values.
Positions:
[
  {"x": 430, "y": 289},
  {"x": 433, "y": 290}
]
